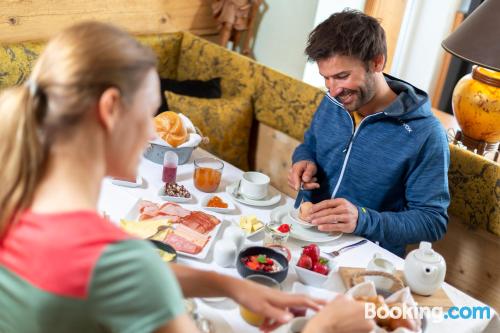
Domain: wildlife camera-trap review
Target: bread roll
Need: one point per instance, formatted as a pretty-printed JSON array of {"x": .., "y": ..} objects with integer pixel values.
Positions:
[
  {"x": 169, "y": 127},
  {"x": 304, "y": 210}
]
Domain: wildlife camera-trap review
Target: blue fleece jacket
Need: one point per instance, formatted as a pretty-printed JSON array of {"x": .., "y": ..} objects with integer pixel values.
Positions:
[{"x": 393, "y": 167}]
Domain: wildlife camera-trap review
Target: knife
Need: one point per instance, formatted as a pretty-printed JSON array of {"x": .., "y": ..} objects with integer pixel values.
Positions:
[{"x": 300, "y": 195}]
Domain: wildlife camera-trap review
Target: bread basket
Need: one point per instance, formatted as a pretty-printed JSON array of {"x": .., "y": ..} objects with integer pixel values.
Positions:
[{"x": 158, "y": 147}]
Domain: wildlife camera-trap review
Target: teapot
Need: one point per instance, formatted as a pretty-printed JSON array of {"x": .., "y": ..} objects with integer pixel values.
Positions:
[{"x": 424, "y": 270}]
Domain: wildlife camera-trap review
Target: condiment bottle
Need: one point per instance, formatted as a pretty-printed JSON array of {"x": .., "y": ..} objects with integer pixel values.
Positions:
[{"x": 170, "y": 162}]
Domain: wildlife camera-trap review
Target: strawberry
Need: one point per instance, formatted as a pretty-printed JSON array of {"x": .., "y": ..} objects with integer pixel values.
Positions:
[
  {"x": 321, "y": 266},
  {"x": 284, "y": 228},
  {"x": 305, "y": 262},
  {"x": 311, "y": 250}
]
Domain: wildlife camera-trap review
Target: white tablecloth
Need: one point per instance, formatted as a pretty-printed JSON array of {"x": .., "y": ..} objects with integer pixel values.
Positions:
[{"x": 116, "y": 201}]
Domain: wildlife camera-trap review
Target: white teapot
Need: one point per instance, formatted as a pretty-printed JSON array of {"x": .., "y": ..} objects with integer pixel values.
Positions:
[{"x": 424, "y": 270}]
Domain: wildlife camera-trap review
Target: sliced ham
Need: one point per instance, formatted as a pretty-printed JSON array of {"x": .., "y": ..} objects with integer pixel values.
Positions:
[
  {"x": 143, "y": 204},
  {"x": 181, "y": 244},
  {"x": 191, "y": 235},
  {"x": 200, "y": 221},
  {"x": 173, "y": 209}
]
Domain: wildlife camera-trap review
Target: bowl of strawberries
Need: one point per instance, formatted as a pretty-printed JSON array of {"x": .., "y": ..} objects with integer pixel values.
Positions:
[{"x": 311, "y": 268}]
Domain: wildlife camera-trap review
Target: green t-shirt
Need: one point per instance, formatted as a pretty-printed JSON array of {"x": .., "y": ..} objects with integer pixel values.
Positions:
[{"x": 131, "y": 290}]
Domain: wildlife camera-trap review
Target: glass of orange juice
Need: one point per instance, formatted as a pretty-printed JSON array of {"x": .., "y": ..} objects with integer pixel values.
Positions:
[
  {"x": 250, "y": 317},
  {"x": 207, "y": 173}
]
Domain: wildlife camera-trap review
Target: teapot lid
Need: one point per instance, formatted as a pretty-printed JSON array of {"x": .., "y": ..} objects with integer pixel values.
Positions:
[{"x": 426, "y": 254}]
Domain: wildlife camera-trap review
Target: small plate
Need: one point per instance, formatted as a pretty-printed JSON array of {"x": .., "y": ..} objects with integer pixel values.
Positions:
[
  {"x": 162, "y": 195},
  {"x": 313, "y": 235},
  {"x": 230, "y": 205},
  {"x": 237, "y": 223},
  {"x": 294, "y": 215},
  {"x": 273, "y": 197}
]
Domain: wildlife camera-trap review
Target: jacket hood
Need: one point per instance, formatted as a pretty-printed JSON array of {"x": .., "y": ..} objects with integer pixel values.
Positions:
[{"x": 410, "y": 103}]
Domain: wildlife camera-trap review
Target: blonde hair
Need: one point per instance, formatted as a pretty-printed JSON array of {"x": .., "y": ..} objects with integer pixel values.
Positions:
[{"x": 75, "y": 68}]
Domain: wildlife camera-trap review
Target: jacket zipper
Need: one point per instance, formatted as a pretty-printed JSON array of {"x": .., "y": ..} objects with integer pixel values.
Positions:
[{"x": 349, "y": 145}]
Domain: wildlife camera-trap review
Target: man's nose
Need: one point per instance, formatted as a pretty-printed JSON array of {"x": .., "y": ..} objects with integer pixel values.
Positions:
[{"x": 333, "y": 89}]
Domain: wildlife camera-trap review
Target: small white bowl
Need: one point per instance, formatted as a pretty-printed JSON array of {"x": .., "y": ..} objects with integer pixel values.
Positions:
[
  {"x": 230, "y": 205},
  {"x": 312, "y": 278},
  {"x": 161, "y": 194}
]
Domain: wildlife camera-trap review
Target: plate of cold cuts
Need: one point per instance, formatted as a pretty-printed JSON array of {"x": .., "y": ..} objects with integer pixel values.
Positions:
[{"x": 190, "y": 233}]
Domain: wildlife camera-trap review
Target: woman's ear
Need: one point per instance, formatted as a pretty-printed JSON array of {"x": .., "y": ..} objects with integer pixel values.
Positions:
[{"x": 108, "y": 108}]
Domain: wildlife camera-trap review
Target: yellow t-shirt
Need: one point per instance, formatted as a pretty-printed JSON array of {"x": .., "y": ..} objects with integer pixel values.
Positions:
[{"x": 358, "y": 117}]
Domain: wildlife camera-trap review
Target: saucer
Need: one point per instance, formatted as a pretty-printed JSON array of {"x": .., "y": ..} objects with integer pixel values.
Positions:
[
  {"x": 272, "y": 198},
  {"x": 313, "y": 235}
]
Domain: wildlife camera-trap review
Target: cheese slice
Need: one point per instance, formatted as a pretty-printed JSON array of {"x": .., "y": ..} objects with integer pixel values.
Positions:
[{"x": 146, "y": 228}]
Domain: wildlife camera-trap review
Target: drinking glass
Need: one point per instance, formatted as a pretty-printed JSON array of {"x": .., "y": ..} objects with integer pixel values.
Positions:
[
  {"x": 207, "y": 173},
  {"x": 250, "y": 317}
]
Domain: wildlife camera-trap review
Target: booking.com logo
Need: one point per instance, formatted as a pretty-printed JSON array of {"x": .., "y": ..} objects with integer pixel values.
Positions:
[{"x": 432, "y": 313}]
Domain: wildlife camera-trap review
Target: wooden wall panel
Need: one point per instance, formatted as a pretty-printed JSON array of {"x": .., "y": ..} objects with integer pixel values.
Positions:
[
  {"x": 390, "y": 13},
  {"x": 22, "y": 20}
]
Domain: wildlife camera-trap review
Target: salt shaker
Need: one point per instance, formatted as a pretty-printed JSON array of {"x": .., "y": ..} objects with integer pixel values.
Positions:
[
  {"x": 235, "y": 235},
  {"x": 225, "y": 252}
]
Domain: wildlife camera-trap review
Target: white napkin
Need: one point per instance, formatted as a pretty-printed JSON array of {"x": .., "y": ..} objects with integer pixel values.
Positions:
[{"x": 401, "y": 296}]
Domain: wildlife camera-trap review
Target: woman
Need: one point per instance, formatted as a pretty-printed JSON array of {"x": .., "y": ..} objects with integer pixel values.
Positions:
[{"x": 85, "y": 113}]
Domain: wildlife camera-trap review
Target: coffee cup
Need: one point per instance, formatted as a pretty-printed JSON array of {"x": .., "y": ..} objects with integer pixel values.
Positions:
[
  {"x": 380, "y": 264},
  {"x": 254, "y": 185}
]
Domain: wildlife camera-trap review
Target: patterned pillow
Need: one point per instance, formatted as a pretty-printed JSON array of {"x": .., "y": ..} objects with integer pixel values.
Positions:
[{"x": 225, "y": 121}]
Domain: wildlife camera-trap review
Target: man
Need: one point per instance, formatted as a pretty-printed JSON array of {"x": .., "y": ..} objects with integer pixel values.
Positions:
[{"x": 375, "y": 159}]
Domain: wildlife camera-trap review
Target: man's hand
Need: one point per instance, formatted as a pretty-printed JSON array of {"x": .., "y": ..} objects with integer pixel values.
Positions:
[
  {"x": 303, "y": 171},
  {"x": 271, "y": 303},
  {"x": 342, "y": 315},
  {"x": 335, "y": 215}
]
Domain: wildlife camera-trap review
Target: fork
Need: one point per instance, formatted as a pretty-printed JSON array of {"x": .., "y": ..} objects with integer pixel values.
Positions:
[{"x": 347, "y": 247}]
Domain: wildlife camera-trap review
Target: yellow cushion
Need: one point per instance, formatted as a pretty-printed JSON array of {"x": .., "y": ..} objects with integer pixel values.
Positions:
[
  {"x": 16, "y": 62},
  {"x": 203, "y": 60},
  {"x": 474, "y": 188},
  {"x": 225, "y": 121},
  {"x": 283, "y": 102},
  {"x": 167, "y": 48}
]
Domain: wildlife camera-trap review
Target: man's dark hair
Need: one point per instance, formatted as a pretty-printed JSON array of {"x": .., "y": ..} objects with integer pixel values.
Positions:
[{"x": 347, "y": 33}]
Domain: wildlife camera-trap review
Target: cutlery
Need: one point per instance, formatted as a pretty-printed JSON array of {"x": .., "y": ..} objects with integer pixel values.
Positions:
[
  {"x": 160, "y": 229},
  {"x": 300, "y": 195},
  {"x": 348, "y": 247},
  {"x": 236, "y": 190}
]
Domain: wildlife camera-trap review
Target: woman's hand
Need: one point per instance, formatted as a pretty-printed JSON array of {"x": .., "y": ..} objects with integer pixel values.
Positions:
[
  {"x": 341, "y": 315},
  {"x": 271, "y": 303}
]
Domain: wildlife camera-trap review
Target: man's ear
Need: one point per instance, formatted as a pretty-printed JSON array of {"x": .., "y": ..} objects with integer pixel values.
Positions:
[
  {"x": 108, "y": 107},
  {"x": 378, "y": 63}
]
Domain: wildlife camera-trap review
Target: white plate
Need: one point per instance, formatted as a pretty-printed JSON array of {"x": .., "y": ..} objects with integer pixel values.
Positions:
[
  {"x": 237, "y": 223},
  {"x": 225, "y": 197},
  {"x": 313, "y": 235},
  {"x": 273, "y": 197},
  {"x": 294, "y": 215},
  {"x": 174, "y": 199},
  {"x": 133, "y": 215}
]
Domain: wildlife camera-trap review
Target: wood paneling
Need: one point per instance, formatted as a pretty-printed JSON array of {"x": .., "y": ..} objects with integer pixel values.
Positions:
[
  {"x": 390, "y": 13},
  {"x": 472, "y": 261},
  {"x": 34, "y": 20},
  {"x": 443, "y": 72},
  {"x": 273, "y": 156}
]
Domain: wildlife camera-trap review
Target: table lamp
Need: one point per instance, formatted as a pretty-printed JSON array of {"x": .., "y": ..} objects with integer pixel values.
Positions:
[{"x": 476, "y": 97}]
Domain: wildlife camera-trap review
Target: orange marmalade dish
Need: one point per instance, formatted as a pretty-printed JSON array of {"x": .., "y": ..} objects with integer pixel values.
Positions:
[{"x": 216, "y": 202}]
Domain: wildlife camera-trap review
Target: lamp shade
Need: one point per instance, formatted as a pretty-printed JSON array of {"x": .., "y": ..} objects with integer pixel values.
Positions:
[{"x": 477, "y": 39}]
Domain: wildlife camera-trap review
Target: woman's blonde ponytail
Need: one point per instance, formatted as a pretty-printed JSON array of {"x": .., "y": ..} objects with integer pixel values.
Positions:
[{"x": 22, "y": 152}]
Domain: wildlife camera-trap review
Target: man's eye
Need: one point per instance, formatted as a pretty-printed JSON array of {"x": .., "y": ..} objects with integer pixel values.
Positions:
[{"x": 342, "y": 77}]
